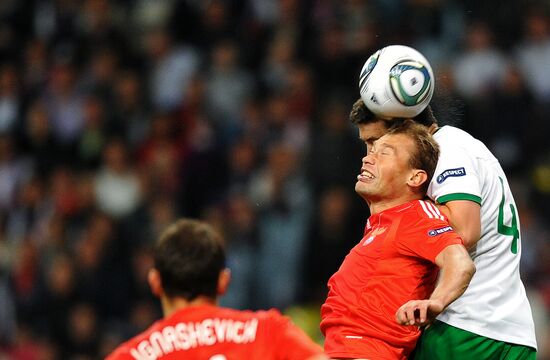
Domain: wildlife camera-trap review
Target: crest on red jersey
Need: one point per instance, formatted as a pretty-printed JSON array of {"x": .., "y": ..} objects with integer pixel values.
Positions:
[{"x": 373, "y": 234}]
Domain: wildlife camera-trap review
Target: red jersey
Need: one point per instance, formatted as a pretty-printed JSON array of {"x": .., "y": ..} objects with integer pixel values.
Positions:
[
  {"x": 393, "y": 263},
  {"x": 213, "y": 333}
]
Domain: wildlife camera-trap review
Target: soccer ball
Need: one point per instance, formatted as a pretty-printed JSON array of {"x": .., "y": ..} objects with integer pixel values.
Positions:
[{"x": 396, "y": 82}]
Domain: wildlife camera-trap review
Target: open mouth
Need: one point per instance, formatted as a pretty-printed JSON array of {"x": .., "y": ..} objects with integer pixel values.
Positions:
[{"x": 365, "y": 175}]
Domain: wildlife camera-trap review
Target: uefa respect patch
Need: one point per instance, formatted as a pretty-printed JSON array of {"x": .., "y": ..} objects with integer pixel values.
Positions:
[
  {"x": 439, "y": 231},
  {"x": 450, "y": 173}
]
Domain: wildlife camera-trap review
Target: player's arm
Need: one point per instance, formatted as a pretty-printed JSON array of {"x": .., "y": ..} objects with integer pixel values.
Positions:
[
  {"x": 456, "y": 271},
  {"x": 465, "y": 218}
]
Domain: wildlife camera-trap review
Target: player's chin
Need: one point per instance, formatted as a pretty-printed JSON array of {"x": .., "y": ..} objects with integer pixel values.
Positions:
[{"x": 362, "y": 188}]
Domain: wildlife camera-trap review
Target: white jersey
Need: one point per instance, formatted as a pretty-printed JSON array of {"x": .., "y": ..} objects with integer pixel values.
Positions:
[{"x": 495, "y": 304}]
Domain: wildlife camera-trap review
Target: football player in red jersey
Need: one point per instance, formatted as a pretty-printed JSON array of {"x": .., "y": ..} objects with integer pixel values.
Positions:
[
  {"x": 386, "y": 287},
  {"x": 188, "y": 276}
]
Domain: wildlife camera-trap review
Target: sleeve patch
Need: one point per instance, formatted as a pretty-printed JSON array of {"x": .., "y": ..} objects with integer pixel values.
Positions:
[
  {"x": 456, "y": 172},
  {"x": 435, "y": 232}
]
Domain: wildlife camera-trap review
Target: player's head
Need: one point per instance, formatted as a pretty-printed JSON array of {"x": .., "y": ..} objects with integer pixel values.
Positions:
[
  {"x": 425, "y": 152},
  {"x": 372, "y": 128},
  {"x": 189, "y": 262},
  {"x": 399, "y": 165}
]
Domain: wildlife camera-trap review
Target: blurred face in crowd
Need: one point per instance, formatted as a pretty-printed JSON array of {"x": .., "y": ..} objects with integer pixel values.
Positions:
[
  {"x": 479, "y": 37},
  {"x": 281, "y": 162},
  {"x": 114, "y": 156},
  {"x": 334, "y": 207},
  {"x": 241, "y": 213},
  {"x": 8, "y": 80},
  {"x": 37, "y": 122},
  {"x": 537, "y": 27},
  {"x": 158, "y": 43},
  {"x": 127, "y": 89},
  {"x": 62, "y": 80},
  {"x": 242, "y": 158},
  {"x": 224, "y": 56}
]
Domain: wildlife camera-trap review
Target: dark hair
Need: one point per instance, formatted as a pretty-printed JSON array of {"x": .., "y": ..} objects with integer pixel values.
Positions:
[
  {"x": 426, "y": 117},
  {"x": 360, "y": 114},
  {"x": 426, "y": 148},
  {"x": 189, "y": 255}
]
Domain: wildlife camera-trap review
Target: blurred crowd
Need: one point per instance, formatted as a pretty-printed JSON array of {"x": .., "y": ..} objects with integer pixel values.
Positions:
[{"x": 117, "y": 117}]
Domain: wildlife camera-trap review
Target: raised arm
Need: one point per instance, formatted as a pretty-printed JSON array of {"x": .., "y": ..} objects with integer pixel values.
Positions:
[{"x": 456, "y": 271}]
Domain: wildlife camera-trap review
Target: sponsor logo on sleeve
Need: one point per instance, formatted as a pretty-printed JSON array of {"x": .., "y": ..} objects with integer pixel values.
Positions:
[
  {"x": 450, "y": 173},
  {"x": 439, "y": 231}
]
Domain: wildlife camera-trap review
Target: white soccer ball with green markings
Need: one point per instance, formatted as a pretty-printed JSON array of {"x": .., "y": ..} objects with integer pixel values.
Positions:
[{"x": 396, "y": 82}]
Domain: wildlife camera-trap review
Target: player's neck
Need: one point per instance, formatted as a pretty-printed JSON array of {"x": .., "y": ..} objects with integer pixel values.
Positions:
[
  {"x": 171, "y": 305},
  {"x": 376, "y": 207}
]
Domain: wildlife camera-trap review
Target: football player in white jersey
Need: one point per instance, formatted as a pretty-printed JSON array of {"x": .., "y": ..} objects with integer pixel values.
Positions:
[{"x": 492, "y": 319}]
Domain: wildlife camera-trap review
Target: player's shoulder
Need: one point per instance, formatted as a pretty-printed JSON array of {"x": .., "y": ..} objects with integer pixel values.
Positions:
[
  {"x": 273, "y": 316},
  {"x": 246, "y": 314},
  {"x": 265, "y": 318},
  {"x": 425, "y": 221},
  {"x": 415, "y": 215},
  {"x": 425, "y": 212},
  {"x": 450, "y": 133},
  {"x": 455, "y": 142},
  {"x": 123, "y": 351}
]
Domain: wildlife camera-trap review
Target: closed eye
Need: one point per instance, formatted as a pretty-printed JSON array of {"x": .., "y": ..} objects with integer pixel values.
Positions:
[{"x": 387, "y": 149}]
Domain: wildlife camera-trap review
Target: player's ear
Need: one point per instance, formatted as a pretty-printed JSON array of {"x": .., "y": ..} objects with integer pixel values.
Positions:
[
  {"x": 417, "y": 178},
  {"x": 155, "y": 282},
  {"x": 223, "y": 281}
]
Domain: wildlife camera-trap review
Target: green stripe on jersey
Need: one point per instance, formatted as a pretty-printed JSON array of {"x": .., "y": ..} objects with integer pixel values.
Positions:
[{"x": 459, "y": 196}]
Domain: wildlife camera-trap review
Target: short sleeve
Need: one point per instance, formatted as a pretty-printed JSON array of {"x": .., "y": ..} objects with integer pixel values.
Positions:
[
  {"x": 427, "y": 238},
  {"x": 456, "y": 176}
]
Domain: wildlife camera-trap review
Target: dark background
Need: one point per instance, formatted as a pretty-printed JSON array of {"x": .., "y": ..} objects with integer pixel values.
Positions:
[{"x": 117, "y": 117}]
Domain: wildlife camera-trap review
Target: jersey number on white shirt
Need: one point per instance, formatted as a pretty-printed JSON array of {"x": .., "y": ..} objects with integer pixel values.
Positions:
[{"x": 505, "y": 229}]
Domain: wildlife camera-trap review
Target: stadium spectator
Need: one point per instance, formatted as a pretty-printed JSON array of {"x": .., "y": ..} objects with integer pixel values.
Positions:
[
  {"x": 117, "y": 186},
  {"x": 284, "y": 201},
  {"x": 172, "y": 69}
]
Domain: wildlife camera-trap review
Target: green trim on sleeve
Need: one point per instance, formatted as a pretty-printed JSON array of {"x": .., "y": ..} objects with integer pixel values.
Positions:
[{"x": 458, "y": 196}]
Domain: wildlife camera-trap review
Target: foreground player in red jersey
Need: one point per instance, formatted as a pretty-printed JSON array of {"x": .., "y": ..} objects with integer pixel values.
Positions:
[
  {"x": 384, "y": 289},
  {"x": 189, "y": 275}
]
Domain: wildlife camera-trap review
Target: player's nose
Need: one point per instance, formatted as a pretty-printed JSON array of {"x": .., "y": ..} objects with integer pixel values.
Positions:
[{"x": 368, "y": 159}]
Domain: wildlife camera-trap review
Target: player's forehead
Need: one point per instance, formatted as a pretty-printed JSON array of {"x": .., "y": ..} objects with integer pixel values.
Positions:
[
  {"x": 398, "y": 142},
  {"x": 372, "y": 131}
]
